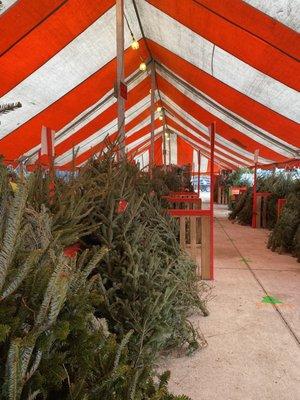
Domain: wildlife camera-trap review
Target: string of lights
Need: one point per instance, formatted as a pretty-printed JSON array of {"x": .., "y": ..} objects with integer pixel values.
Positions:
[{"x": 143, "y": 67}]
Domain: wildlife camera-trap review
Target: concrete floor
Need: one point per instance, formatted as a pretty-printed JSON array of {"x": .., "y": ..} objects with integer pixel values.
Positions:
[{"x": 253, "y": 350}]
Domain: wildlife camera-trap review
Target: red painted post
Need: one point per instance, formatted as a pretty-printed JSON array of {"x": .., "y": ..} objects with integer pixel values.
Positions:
[
  {"x": 164, "y": 148},
  {"x": 212, "y": 161},
  {"x": 199, "y": 171},
  {"x": 169, "y": 147},
  {"x": 254, "y": 205}
]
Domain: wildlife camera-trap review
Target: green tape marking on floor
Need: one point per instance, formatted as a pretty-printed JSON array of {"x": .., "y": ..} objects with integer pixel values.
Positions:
[
  {"x": 245, "y": 260},
  {"x": 271, "y": 300}
]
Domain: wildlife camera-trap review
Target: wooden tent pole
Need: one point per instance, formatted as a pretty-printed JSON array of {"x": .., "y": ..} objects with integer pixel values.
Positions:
[
  {"x": 199, "y": 171},
  {"x": 152, "y": 115},
  {"x": 120, "y": 76},
  {"x": 164, "y": 147},
  {"x": 212, "y": 162},
  {"x": 254, "y": 204},
  {"x": 169, "y": 145}
]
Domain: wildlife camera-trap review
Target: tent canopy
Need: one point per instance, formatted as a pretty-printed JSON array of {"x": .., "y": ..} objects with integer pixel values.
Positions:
[{"x": 232, "y": 61}]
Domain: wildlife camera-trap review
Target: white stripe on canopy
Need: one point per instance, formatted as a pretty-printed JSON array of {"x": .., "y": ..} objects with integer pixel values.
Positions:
[
  {"x": 285, "y": 11},
  {"x": 203, "y": 54},
  {"x": 81, "y": 58}
]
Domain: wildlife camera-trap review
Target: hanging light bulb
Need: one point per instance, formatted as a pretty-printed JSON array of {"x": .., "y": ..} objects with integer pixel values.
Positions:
[
  {"x": 135, "y": 44},
  {"x": 143, "y": 66},
  {"x": 161, "y": 117},
  {"x": 159, "y": 109}
]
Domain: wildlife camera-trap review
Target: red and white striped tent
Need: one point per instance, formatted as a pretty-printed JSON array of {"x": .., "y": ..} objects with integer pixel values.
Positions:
[{"x": 231, "y": 61}]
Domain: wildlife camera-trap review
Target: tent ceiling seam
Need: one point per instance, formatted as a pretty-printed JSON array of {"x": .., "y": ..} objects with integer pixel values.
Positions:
[
  {"x": 90, "y": 112},
  {"x": 34, "y": 27},
  {"x": 225, "y": 112},
  {"x": 247, "y": 30}
]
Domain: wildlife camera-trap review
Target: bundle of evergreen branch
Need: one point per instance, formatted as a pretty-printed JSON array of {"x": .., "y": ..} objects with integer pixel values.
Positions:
[
  {"x": 236, "y": 178},
  {"x": 91, "y": 326},
  {"x": 149, "y": 285},
  {"x": 285, "y": 237},
  {"x": 241, "y": 210},
  {"x": 172, "y": 179},
  {"x": 279, "y": 185}
]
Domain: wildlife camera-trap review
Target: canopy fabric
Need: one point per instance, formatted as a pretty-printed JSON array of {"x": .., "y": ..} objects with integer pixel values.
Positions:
[{"x": 234, "y": 62}]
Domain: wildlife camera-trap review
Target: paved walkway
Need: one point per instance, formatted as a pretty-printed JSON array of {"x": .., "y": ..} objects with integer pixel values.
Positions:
[{"x": 253, "y": 350}]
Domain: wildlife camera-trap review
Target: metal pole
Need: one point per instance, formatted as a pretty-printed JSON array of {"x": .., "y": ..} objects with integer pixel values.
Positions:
[
  {"x": 152, "y": 115},
  {"x": 212, "y": 162},
  {"x": 120, "y": 75},
  {"x": 199, "y": 171}
]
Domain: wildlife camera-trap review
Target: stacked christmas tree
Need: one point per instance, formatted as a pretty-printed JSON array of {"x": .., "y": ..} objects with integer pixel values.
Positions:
[{"x": 93, "y": 286}]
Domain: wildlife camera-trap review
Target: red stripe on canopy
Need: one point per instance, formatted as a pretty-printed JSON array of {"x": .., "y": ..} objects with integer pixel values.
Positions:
[
  {"x": 188, "y": 125},
  {"x": 158, "y": 158},
  {"x": 145, "y": 146},
  {"x": 68, "y": 107},
  {"x": 257, "y": 23},
  {"x": 206, "y": 152},
  {"x": 204, "y": 145},
  {"x": 184, "y": 152},
  {"x": 48, "y": 39},
  {"x": 228, "y": 97},
  {"x": 205, "y": 118},
  {"x": 134, "y": 96},
  {"x": 234, "y": 39},
  {"x": 111, "y": 138},
  {"x": 28, "y": 14}
]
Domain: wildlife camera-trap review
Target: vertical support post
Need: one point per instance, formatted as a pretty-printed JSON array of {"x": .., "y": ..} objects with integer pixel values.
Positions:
[
  {"x": 152, "y": 115},
  {"x": 120, "y": 76},
  {"x": 164, "y": 147},
  {"x": 212, "y": 162},
  {"x": 199, "y": 171},
  {"x": 206, "y": 256},
  {"x": 182, "y": 233},
  {"x": 50, "y": 140},
  {"x": 258, "y": 202},
  {"x": 193, "y": 237},
  {"x": 264, "y": 211},
  {"x": 47, "y": 154},
  {"x": 254, "y": 205},
  {"x": 169, "y": 145}
]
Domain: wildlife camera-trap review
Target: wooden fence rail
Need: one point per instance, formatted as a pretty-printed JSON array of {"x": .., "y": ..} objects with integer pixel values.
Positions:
[
  {"x": 194, "y": 237},
  {"x": 184, "y": 203},
  {"x": 261, "y": 209},
  {"x": 184, "y": 195},
  {"x": 223, "y": 195}
]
